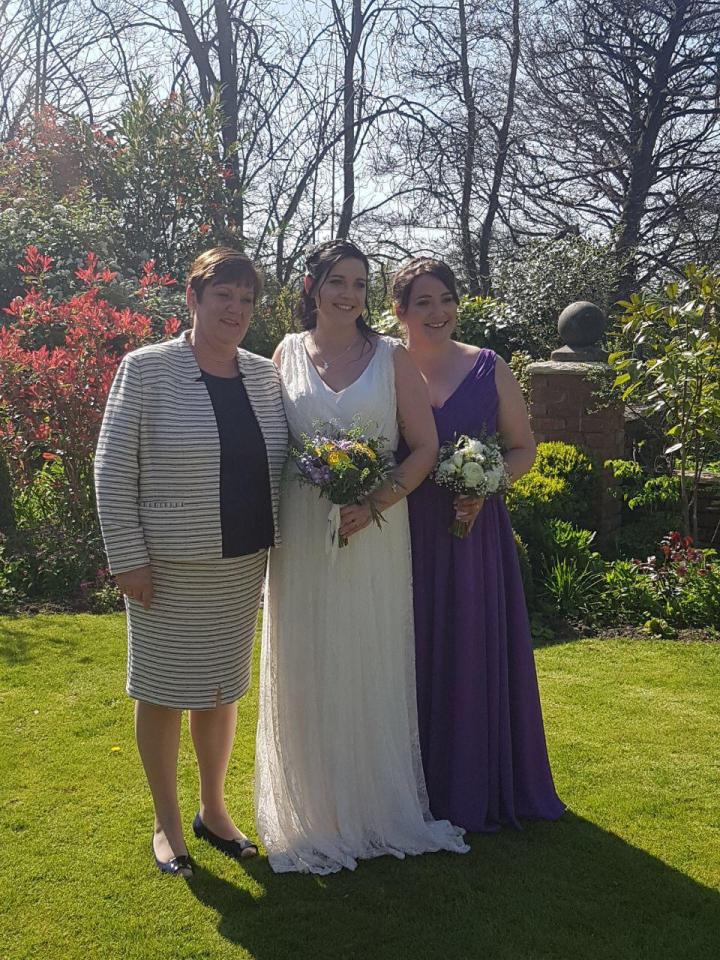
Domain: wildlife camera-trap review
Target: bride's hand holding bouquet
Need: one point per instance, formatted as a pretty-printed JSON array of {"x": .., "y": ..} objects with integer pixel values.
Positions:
[{"x": 345, "y": 467}]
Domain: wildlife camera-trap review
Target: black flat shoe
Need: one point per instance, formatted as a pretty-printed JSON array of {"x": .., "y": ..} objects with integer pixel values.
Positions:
[
  {"x": 235, "y": 849},
  {"x": 181, "y": 866}
]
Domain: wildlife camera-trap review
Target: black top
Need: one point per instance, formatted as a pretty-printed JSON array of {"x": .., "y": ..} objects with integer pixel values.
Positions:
[{"x": 245, "y": 505}]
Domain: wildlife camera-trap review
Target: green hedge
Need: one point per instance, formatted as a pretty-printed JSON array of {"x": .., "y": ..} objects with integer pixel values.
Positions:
[{"x": 562, "y": 485}]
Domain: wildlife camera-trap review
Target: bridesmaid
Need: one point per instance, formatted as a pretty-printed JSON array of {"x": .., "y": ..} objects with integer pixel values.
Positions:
[{"x": 481, "y": 728}]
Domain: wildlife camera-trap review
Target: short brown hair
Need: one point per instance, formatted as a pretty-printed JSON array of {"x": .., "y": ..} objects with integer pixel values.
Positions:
[
  {"x": 420, "y": 267},
  {"x": 224, "y": 265}
]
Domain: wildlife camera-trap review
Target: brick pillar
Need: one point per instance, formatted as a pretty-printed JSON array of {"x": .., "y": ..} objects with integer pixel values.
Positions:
[{"x": 561, "y": 400}]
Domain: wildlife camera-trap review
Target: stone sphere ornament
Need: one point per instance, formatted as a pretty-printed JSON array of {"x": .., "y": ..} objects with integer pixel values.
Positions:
[{"x": 581, "y": 325}]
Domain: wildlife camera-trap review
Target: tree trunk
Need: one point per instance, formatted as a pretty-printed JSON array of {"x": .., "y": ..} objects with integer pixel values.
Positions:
[
  {"x": 349, "y": 136},
  {"x": 483, "y": 259},
  {"x": 229, "y": 94},
  {"x": 647, "y": 129},
  {"x": 468, "y": 170}
]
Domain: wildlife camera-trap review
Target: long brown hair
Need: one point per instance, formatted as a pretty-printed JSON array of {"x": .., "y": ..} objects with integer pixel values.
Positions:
[
  {"x": 421, "y": 267},
  {"x": 318, "y": 264}
]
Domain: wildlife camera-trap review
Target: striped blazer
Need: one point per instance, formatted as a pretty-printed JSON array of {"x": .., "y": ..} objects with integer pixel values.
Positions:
[{"x": 157, "y": 464}]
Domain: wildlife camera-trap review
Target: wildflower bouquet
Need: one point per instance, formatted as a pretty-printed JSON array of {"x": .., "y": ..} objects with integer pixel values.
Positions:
[
  {"x": 345, "y": 467},
  {"x": 471, "y": 468}
]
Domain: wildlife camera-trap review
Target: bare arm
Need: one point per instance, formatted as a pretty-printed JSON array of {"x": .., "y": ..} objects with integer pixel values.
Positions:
[
  {"x": 513, "y": 422},
  {"x": 417, "y": 426},
  {"x": 514, "y": 427}
]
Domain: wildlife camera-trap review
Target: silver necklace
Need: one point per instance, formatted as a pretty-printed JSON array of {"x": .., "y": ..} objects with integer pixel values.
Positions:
[{"x": 326, "y": 364}]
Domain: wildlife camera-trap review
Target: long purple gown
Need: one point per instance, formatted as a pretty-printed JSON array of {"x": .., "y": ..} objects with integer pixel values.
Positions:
[{"x": 481, "y": 728}]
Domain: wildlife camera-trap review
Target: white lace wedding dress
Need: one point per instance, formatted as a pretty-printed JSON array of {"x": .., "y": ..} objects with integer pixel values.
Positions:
[{"x": 338, "y": 775}]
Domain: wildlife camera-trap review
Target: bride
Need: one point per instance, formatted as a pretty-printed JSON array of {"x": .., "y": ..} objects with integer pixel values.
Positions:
[{"x": 339, "y": 776}]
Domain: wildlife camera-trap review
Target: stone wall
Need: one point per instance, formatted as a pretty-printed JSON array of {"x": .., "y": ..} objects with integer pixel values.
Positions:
[{"x": 562, "y": 408}]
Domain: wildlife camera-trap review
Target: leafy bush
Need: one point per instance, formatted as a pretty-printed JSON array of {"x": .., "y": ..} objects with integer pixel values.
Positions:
[
  {"x": 628, "y": 594},
  {"x": 687, "y": 580},
  {"x": 487, "y": 322},
  {"x": 7, "y": 511},
  {"x": 525, "y": 570},
  {"x": 569, "y": 572},
  {"x": 578, "y": 468},
  {"x": 561, "y": 485},
  {"x": 535, "y": 283},
  {"x": 570, "y": 589},
  {"x": 639, "y": 539},
  {"x": 668, "y": 361},
  {"x": 650, "y": 507},
  {"x": 638, "y": 490},
  {"x": 681, "y": 588},
  {"x": 155, "y": 189},
  {"x": 532, "y": 502},
  {"x": 164, "y": 174},
  {"x": 49, "y": 565},
  {"x": 573, "y": 543},
  {"x": 52, "y": 396},
  {"x": 65, "y": 230},
  {"x": 272, "y": 319},
  {"x": 57, "y": 361},
  {"x": 519, "y": 363}
]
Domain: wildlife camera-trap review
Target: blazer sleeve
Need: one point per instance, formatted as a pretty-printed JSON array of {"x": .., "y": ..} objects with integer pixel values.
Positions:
[{"x": 117, "y": 471}]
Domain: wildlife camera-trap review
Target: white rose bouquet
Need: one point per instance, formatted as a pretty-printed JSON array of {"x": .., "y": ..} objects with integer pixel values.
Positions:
[{"x": 471, "y": 468}]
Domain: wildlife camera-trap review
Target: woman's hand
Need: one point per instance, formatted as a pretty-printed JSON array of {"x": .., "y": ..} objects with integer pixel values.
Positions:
[
  {"x": 467, "y": 509},
  {"x": 137, "y": 584},
  {"x": 354, "y": 518}
]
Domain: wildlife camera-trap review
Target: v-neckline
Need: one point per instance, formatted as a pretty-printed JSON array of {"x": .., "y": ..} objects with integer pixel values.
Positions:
[
  {"x": 338, "y": 393},
  {"x": 459, "y": 386}
]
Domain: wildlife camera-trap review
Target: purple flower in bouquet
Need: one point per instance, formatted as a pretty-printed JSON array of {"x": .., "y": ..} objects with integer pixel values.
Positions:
[{"x": 344, "y": 468}]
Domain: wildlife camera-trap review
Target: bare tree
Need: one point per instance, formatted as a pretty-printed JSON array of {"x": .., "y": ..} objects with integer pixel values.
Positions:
[
  {"x": 624, "y": 103},
  {"x": 462, "y": 58},
  {"x": 80, "y": 58}
]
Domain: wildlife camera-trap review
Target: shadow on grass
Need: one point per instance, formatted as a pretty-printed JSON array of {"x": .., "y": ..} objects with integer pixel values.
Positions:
[
  {"x": 568, "y": 890},
  {"x": 21, "y": 643}
]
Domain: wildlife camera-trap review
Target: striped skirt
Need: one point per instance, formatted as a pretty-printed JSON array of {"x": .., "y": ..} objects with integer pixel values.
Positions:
[{"x": 193, "y": 648}]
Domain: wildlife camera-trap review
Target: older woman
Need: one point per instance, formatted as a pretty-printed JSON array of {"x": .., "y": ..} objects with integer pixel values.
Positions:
[{"x": 187, "y": 473}]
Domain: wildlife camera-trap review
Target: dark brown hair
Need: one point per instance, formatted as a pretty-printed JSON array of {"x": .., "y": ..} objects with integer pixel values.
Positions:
[
  {"x": 421, "y": 267},
  {"x": 318, "y": 264},
  {"x": 224, "y": 265}
]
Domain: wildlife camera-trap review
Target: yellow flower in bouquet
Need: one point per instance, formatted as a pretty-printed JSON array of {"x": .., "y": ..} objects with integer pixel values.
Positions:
[
  {"x": 337, "y": 458},
  {"x": 368, "y": 451},
  {"x": 345, "y": 466}
]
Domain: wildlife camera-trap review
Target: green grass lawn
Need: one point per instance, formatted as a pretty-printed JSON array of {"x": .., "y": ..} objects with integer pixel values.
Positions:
[{"x": 632, "y": 870}]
